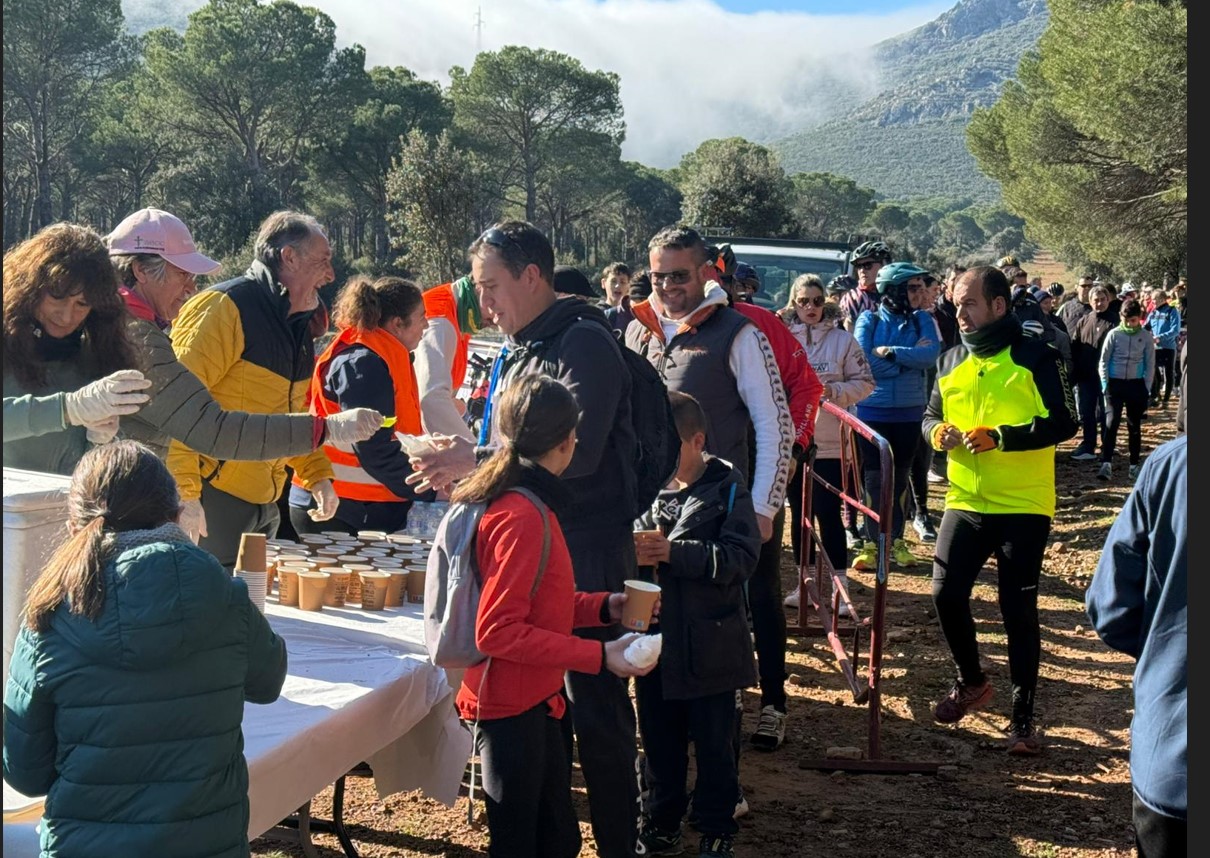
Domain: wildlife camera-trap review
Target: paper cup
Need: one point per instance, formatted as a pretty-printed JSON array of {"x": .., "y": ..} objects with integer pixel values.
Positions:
[
  {"x": 311, "y": 588},
  {"x": 287, "y": 594},
  {"x": 640, "y": 601},
  {"x": 401, "y": 539},
  {"x": 337, "y": 587},
  {"x": 415, "y": 582},
  {"x": 374, "y": 585},
  {"x": 251, "y": 554},
  {"x": 355, "y": 568},
  {"x": 396, "y": 585},
  {"x": 370, "y": 536}
]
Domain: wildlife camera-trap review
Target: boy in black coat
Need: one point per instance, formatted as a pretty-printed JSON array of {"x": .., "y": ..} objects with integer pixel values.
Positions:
[{"x": 700, "y": 542}]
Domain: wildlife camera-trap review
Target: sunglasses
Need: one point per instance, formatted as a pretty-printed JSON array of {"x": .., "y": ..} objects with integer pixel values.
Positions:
[
  {"x": 499, "y": 238},
  {"x": 813, "y": 301},
  {"x": 862, "y": 266},
  {"x": 674, "y": 278}
]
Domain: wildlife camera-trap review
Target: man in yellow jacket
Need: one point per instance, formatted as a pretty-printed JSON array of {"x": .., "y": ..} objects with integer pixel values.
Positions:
[
  {"x": 999, "y": 406},
  {"x": 249, "y": 343}
]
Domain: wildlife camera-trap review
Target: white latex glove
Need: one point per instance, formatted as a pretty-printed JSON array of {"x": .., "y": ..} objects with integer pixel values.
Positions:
[
  {"x": 353, "y": 426},
  {"x": 326, "y": 500},
  {"x": 102, "y": 432},
  {"x": 193, "y": 520},
  {"x": 106, "y": 397}
]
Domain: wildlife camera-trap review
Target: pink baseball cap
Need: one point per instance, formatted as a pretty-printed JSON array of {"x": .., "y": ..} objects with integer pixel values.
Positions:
[{"x": 159, "y": 233}]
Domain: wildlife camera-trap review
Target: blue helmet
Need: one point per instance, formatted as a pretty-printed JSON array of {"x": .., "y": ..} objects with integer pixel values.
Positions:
[{"x": 895, "y": 275}]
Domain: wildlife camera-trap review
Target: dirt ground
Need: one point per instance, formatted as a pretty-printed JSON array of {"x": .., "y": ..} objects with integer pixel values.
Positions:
[{"x": 1073, "y": 801}]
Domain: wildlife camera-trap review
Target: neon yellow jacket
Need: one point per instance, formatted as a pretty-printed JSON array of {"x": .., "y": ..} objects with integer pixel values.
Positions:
[{"x": 1018, "y": 387}]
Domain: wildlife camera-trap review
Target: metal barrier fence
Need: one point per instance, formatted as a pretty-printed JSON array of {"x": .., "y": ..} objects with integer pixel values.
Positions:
[{"x": 811, "y": 574}]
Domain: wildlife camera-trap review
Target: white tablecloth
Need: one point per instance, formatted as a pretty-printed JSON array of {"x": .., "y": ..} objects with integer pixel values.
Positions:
[{"x": 359, "y": 687}]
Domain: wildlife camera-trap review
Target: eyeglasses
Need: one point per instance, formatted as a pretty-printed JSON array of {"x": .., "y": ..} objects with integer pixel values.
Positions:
[
  {"x": 674, "y": 278},
  {"x": 862, "y": 266},
  {"x": 813, "y": 301}
]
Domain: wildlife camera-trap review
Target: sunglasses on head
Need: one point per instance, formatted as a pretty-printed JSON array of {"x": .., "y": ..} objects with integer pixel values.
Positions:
[
  {"x": 497, "y": 237},
  {"x": 810, "y": 301}
]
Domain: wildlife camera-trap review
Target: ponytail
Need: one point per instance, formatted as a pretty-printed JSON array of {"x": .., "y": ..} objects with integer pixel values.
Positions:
[
  {"x": 494, "y": 477},
  {"x": 367, "y": 304},
  {"x": 75, "y": 575}
]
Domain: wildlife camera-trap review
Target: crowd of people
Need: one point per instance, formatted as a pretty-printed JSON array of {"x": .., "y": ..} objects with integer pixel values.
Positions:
[{"x": 185, "y": 417}]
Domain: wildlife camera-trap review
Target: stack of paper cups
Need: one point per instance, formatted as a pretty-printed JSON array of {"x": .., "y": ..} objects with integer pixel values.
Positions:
[{"x": 250, "y": 565}]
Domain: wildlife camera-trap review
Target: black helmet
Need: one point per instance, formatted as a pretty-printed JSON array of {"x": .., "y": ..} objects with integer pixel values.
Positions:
[
  {"x": 840, "y": 285},
  {"x": 875, "y": 250}
]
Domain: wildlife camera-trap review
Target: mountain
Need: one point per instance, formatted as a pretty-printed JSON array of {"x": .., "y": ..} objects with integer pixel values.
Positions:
[{"x": 909, "y": 140}]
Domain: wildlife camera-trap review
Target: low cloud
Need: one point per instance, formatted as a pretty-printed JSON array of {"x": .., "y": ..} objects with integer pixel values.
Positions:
[{"x": 689, "y": 69}]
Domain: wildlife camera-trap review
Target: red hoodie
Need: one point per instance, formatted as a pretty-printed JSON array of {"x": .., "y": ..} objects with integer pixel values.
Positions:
[
  {"x": 803, "y": 387},
  {"x": 529, "y": 641}
]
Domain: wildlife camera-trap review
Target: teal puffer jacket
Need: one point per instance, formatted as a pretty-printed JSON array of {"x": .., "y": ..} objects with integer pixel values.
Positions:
[{"x": 130, "y": 724}]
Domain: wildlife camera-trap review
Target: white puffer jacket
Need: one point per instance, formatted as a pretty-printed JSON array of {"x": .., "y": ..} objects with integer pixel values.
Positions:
[{"x": 841, "y": 365}]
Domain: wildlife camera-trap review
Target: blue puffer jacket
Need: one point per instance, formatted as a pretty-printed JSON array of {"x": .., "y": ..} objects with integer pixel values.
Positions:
[
  {"x": 1165, "y": 324},
  {"x": 901, "y": 388},
  {"x": 130, "y": 724}
]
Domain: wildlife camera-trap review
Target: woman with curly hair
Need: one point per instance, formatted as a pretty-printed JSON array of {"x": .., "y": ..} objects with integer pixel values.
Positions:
[{"x": 69, "y": 367}]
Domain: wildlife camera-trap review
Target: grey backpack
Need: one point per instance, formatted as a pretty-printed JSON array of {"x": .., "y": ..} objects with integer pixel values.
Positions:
[{"x": 452, "y": 584}]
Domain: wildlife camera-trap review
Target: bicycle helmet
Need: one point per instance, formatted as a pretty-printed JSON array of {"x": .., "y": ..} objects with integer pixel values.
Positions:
[
  {"x": 745, "y": 273},
  {"x": 892, "y": 284},
  {"x": 1055, "y": 290},
  {"x": 840, "y": 285},
  {"x": 876, "y": 250},
  {"x": 723, "y": 258},
  {"x": 1008, "y": 261}
]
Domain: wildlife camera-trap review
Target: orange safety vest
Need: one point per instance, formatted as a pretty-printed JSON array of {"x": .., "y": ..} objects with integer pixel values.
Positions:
[
  {"x": 351, "y": 480},
  {"x": 441, "y": 303}
]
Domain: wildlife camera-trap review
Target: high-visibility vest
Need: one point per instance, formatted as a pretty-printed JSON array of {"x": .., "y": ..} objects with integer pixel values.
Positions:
[
  {"x": 351, "y": 480},
  {"x": 441, "y": 303}
]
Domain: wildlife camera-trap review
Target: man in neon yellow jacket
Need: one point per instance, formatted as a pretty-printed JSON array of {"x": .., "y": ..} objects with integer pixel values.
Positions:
[{"x": 999, "y": 406}]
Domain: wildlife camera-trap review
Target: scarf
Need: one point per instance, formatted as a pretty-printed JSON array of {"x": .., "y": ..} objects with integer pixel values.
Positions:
[
  {"x": 544, "y": 484},
  {"x": 470, "y": 318},
  {"x": 993, "y": 337},
  {"x": 117, "y": 542}
]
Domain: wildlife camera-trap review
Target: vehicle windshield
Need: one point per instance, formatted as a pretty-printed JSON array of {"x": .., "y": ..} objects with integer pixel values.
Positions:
[{"x": 777, "y": 272}]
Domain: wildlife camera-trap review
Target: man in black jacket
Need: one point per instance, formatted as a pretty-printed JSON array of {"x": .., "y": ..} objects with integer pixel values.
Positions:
[
  {"x": 513, "y": 267},
  {"x": 1086, "y": 340}
]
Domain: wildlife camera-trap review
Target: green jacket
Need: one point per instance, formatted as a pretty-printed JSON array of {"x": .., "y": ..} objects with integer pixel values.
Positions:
[
  {"x": 130, "y": 724},
  {"x": 1016, "y": 385},
  {"x": 36, "y": 434}
]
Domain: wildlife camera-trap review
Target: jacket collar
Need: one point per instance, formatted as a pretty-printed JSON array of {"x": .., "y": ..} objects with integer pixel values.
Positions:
[
  {"x": 651, "y": 312},
  {"x": 140, "y": 309}
]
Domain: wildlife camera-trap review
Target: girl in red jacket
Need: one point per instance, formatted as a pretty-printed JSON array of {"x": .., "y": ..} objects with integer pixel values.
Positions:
[{"x": 517, "y": 695}]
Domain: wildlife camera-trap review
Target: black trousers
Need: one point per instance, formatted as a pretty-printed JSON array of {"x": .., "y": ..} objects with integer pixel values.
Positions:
[
  {"x": 527, "y": 786},
  {"x": 769, "y": 618},
  {"x": 965, "y": 541},
  {"x": 918, "y": 479},
  {"x": 666, "y": 727},
  {"x": 903, "y": 438},
  {"x": 825, "y": 509},
  {"x": 601, "y": 710},
  {"x": 1157, "y": 835},
  {"x": 1165, "y": 363},
  {"x": 227, "y": 517},
  {"x": 1091, "y": 405},
  {"x": 1129, "y": 394},
  {"x": 353, "y": 515}
]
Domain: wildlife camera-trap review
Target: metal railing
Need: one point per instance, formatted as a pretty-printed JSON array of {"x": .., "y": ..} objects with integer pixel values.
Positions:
[{"x": 865, "y": 689}]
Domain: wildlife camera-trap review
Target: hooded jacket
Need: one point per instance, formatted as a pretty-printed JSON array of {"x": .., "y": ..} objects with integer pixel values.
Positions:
[
  {"x": 1138, "y": 603},
  {"x": 130, "y": 723},
  {"x": 572, "y": 341},
  {"x": 715, "y": 542},
  {"x": 842, "y": 367},
  {"x": 241, "y": 341},
  {"x": 1165, "y": 324}
]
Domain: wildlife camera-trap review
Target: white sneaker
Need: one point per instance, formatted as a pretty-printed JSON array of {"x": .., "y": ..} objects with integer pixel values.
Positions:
[
  {"x": 771, "y": 731},
  {"x": 741, "y": 806},
  {"x": 791, "y": 601}
]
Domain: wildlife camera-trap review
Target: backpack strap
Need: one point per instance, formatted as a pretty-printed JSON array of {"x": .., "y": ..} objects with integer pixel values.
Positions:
[{"x": 545, "y": 512}]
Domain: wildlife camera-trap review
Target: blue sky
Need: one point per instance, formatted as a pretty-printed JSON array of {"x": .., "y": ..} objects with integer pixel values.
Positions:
[{"x": 818, "y": 7}]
